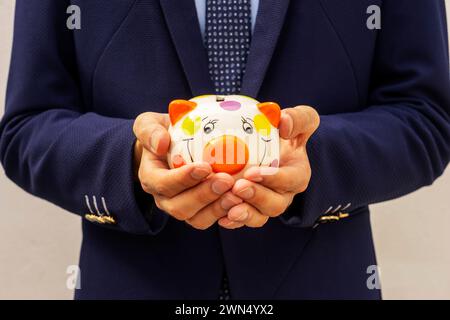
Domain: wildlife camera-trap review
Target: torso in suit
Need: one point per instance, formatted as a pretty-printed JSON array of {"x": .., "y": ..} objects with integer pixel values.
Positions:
[{"x": 383, "y": 96}]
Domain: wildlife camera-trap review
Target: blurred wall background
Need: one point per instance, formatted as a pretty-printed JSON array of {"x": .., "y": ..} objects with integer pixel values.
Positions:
[{"x": 38, "y": 241}]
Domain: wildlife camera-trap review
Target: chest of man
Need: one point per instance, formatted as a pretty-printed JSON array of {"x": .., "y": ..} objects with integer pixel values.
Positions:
[{"x": 137, "y": 55}]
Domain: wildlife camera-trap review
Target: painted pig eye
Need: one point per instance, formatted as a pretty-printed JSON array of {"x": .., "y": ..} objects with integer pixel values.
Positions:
[
  {"x": 246, "y": 126},
  {"x": 209, "y": 127}
]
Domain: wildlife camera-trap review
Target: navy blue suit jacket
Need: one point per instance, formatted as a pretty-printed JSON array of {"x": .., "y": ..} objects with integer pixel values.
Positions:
[{"x": 383, "y": 96}]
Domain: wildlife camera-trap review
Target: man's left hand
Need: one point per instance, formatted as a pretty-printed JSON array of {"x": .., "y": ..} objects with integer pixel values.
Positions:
[{"x": 269, "y": 195}]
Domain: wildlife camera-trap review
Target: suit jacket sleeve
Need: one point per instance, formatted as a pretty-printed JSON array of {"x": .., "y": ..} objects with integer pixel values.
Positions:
[
  {"x": 401, "y": 141},
  {"x": 51, "y": 144}
]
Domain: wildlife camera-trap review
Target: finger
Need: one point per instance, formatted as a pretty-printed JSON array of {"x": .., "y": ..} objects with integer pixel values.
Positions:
[
  {"x": 156, "y": 178},
  {"x": 184, "y": 205},
  {"x": 248, "y": 215},
  {"x": 285, "y": 179},
  {"x": 300, "y": 120},
  {"x": 228, "y": 224},
  {"x": 207, "y": 216},
  {"x": 150, "y": 128},
  {"x": 267, "y": 201}
]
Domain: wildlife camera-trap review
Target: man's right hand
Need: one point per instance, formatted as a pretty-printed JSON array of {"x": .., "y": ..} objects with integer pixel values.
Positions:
[{"x": 191, "y": 193}]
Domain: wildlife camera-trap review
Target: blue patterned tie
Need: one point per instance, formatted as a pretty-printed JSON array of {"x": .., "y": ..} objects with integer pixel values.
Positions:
[
  {"x": 227, "y": 39},
  {"x": 228, "y": 36}
]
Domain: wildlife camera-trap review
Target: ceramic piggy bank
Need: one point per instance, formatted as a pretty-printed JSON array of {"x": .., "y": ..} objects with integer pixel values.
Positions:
[{"x": 231, "y": 133}]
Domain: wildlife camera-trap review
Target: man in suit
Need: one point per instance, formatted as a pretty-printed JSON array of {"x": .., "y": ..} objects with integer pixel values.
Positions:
[{"x": 85, "y": 127}]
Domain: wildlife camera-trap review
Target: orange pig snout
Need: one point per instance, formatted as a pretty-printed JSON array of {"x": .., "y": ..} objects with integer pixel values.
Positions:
[{"x": 227, "y": 154}]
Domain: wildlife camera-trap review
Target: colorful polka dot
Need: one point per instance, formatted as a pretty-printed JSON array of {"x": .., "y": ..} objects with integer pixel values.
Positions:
[
  {"x": 190, "y": 127},
  {"x": 274, "y": 163},
  {"x": 178, "y": 161},
  {"x": 230, "y": 105},
  {"x": 262, "y": 125}
]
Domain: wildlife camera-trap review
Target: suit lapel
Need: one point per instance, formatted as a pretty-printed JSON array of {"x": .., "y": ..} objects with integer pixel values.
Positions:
[
  {"x": 268, "y": 26},
  {"x": 182, "y": 21}
]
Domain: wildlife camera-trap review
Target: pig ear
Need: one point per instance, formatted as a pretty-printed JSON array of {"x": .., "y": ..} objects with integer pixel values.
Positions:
[
  {"x": 272, "y": 112},
  {"x": 178, "y": 108}
]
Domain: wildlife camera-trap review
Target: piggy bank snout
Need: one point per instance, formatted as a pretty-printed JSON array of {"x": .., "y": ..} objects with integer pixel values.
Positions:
[{"x": 227, "y": 154}]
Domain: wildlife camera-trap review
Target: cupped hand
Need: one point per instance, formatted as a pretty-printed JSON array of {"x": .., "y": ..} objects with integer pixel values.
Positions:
[
  {"x": 191, "y": 193},
  {"x": 268, "y": 193}
]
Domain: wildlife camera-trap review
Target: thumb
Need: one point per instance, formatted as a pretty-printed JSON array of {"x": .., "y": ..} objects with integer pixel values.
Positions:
[
  {"x": 150, "y": 128},
  {"x": 298, "y": 121}
]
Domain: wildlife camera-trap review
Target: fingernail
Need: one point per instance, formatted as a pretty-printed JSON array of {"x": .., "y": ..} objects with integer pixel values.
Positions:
[
  {"x": 256, "y": 179},
  {"x": 228, "y": 203},
  {"x": 227, "y": 223},
  {"x": 220, "y": 186},
  {"x": 199, "y": 173},
  {"x": 247, "y": 193},
  {"x": 254, "y": 174},
  {"x": 241, "y": 216},
  {"x": 154, "y": 141}
]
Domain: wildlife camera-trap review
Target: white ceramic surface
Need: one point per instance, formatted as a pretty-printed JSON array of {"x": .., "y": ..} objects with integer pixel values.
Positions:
[{"x": 232, "y": 133}]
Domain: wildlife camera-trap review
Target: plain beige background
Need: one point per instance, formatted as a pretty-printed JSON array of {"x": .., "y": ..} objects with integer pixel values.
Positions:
[{"x": 38, "y": 241}]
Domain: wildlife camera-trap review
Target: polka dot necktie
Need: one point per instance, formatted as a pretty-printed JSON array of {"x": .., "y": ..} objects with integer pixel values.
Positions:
[{"x": 227, "y": 37}]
